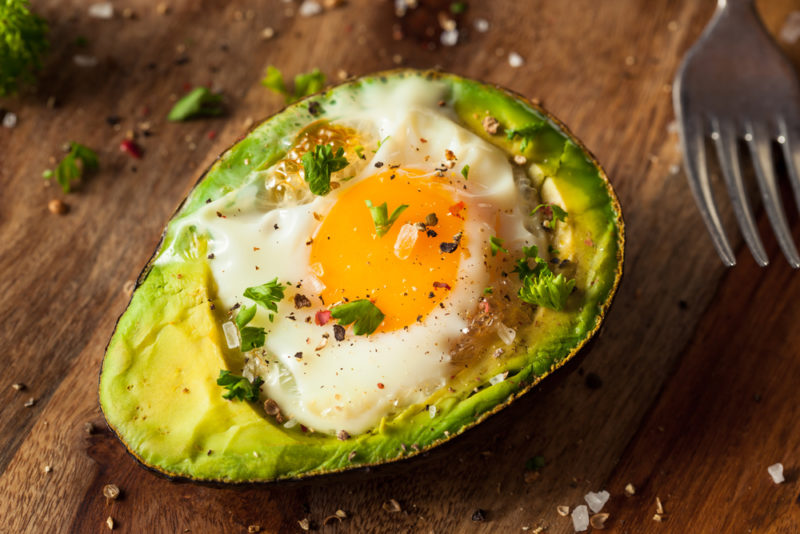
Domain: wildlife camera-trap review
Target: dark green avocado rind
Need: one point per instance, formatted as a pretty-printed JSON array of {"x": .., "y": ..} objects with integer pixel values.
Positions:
[{"x": 234, "y": 441}]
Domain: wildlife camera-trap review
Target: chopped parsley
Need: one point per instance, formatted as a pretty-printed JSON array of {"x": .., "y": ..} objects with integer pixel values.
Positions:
[
  {"x": 539, "y": 285},
  {"x": 465, "y": 172},
  {"x": 238, "y": 386},
  {"x": 267, "y": 295},
  {"x": 488, "y": 290},
  {"x": 304, "y": 84},
  {"x": 526, "y": 133},
  {"x": 366, "y": 316},
  {"x": 318, "y": 164},
  {"x": 68, "y": 170},
  {"x": 551, "y": 213},
  {"x": 245, "y": 315},
  {"x": 380, "y": 216},
  {"x": 497, "y": 245},
  {"x": 253, "y": 337},
  {"x": 359, "y": 150},
  {"x": 199, "y": 102}
]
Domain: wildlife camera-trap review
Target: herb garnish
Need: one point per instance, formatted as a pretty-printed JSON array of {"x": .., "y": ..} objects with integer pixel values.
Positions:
[
  {"x": 465, "y": 172},
  {"x": 497, "y": 245},
  {"x": 304, "y": 84},
  {"x": 267, "y": 295},
  {"x": 366, "y": 316},
  {"x": 526, "y": 133},
  {"x": 552, "y": 213},
  {"x": 380, "y": 216},
  {"x": 199, "y": 102},
  {"x": 68, "y": 170},
  {"x": 318, "y": 164},
  {"x": 244, "y": 316},
  {"x": 238, "y": 386},
  {"x": 23, "y": 43},
  {"x": 539, "y": 285},
  {"x": 359, "y": 150},
  {"x": 252, "y": 336}
]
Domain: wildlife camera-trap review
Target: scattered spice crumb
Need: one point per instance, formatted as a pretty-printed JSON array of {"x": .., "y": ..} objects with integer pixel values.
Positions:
[
  {"x": 562, "y": 510},
  {"x": 304, "y": 523},
  {"x": 630, "y": 490},
  {"x": 111, "y": 492},
  {"x": 658, "y": 518},
  {"x": 110, "y": 523},
  {"x": 391, "y": 506},
  {"x": 309, "y": 8},
  {"x": 490, "y": 124},
  {"x": 88, "y": 427},
  {"x": 776, "y": 472},
  {"x": 19, "y": 386},
  {"x": 30, "y": 402},
  {"x": 267, "y": 33},
  {"x": 128, "y": 286},
  {"x": 58, "y": 207},
  {"x": 254, "y": 528},
  {"x": 162, "y": 8},
  {"x": 343, "y": 435},
  {"x": 48, "y": 468},
  {"x": 351, "y": 456},
  {"x": 520, "y": 159},
  {"x": 479, "y": 515},
  {"x": 598, "y": 521},
  {"x": 659, "y": 506}
]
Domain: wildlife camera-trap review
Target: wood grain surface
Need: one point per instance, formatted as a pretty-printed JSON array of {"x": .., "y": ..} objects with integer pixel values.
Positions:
[{"x": 689, "y": 393}]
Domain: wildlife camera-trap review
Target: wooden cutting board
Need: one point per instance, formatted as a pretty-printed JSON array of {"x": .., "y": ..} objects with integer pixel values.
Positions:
[{"x": 689, "y": 392}]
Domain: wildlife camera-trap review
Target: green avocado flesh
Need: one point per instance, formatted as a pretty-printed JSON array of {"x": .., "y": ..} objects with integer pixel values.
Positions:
[{"x": 158, "y": 386}]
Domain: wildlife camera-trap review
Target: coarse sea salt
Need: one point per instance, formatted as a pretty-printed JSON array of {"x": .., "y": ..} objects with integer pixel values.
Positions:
[
  {"x": 580, "y": 518},
  {"x": 102, "y": 10},
  {"x": 10, "y": 120},
  {"x": 597, "y": 500},
  {"x": 309, "y": 8},
  {"x": 505, "y": 333},
  {"x": 776, "y": 472},
  {"x": 482, "y": 25},
  {"x": 82, "y": 60},
  {"x": 515, "y": 60},
  {"x": 449, "y": 37},
  {"x": 231, "y": 334}
]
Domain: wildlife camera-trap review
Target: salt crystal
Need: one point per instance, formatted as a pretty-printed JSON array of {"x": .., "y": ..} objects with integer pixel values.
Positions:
[
  {"x": 449, "y": 37},
  {"x": 498, "y": 378},
  {"x": 309, "y": 8},
  {"x": 515, "y": 60},
  {"x": 432, "y": 410},
  {"x": 101, "y": 11},
  {"x": 231, "y": 334},
  {"x": 10, "y": 120},
  {"x": 506, "y": 334},
  {"x": 84, "y": 61},
  {"x": 596, "y": 501},
  {"x": 776, "y": 472},
  {"x": 290, "y": 423},
  {"x": 790, "y": 31},
  {"x": 580, "y": 518},
  {"x": 315, "y": 284},
  {"x": 406, "y": 239},
  {"x": 482, "y": 25}
]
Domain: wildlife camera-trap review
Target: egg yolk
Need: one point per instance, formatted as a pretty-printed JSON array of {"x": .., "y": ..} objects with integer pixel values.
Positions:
[{"x": 405, "y": 278}]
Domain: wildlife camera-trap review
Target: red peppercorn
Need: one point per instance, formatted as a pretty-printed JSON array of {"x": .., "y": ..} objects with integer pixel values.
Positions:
[{"x": 130, "y": 146}]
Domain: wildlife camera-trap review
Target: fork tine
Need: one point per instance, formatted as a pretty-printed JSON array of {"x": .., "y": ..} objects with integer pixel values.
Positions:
[
  {"x": 725, "y": 142},
  {"x": 694, "y": 159},
  {"x": 761, "y": 151},
  {"x": 791, "y": 156}
]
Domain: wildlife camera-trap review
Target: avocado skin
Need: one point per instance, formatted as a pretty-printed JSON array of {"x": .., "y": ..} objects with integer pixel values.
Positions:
[{"x": 165, "y": 406}]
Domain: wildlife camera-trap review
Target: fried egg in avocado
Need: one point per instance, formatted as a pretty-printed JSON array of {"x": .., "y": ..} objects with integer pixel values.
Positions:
[
  {"x": 366, "y": 274},
  {"x": 429, "y": 274}
]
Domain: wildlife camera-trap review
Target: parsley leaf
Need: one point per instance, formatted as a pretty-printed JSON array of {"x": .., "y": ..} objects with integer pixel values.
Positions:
[
  {"x": 23, "y": 42},
  {"x": 539, "y": 285},
  {"x": 359, "y": 150},
  {"x": 68, "y": 170},
  {"x": 199, "y": 102},
  {"x": 253, "y": 337},
  {"x": 497, "y": 245},
  {"x": 245, "y": 315},
  {"x": 551, "y": 213},
  {"x": 465, "y": 172},
  {"x": 304, "y": 84},
  {"x": 366, "y": 316},
  {"x": 380, "y": 216},
  {"x": 267, "y": 295},
  {"x": 318, "y": 164},
  {"x": 238, "y": 386},
  {"x": 488, "y": 290},
  {"x": 526, "y": 133}
]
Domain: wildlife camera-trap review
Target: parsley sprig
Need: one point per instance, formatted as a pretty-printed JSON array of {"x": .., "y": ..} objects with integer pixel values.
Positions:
[
  {"x": 551, "y": 213},
  {"x": 497, "y": 245},
  {"x": 267, "y": 295},
  {"x": 366, "y": 316},
  {"x": 23, "y": 43},
  {"x": 199, "y": 102},
  {"x": 304, "y": 84},
  {"x": 539, "y": 285},
  {"x": 238, "y": 386},
  {"x": 527, "y": 134},
  {"x": 319, "y": 164},
  {"x": 252, "y": 336},
  {"x": 381, "y": 218},
  {"x": 69, "y": 170}
]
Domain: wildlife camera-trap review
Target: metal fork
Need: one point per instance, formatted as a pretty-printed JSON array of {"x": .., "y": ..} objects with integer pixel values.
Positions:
[{"x": 735, "y": 83}]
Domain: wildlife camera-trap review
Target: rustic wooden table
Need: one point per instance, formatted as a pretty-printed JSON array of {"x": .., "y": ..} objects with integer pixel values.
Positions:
[{"x": 689, "y": 393}]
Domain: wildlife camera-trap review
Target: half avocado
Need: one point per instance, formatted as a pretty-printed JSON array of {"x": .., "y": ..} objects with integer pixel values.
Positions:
[{"x": 367, "y": 274}]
